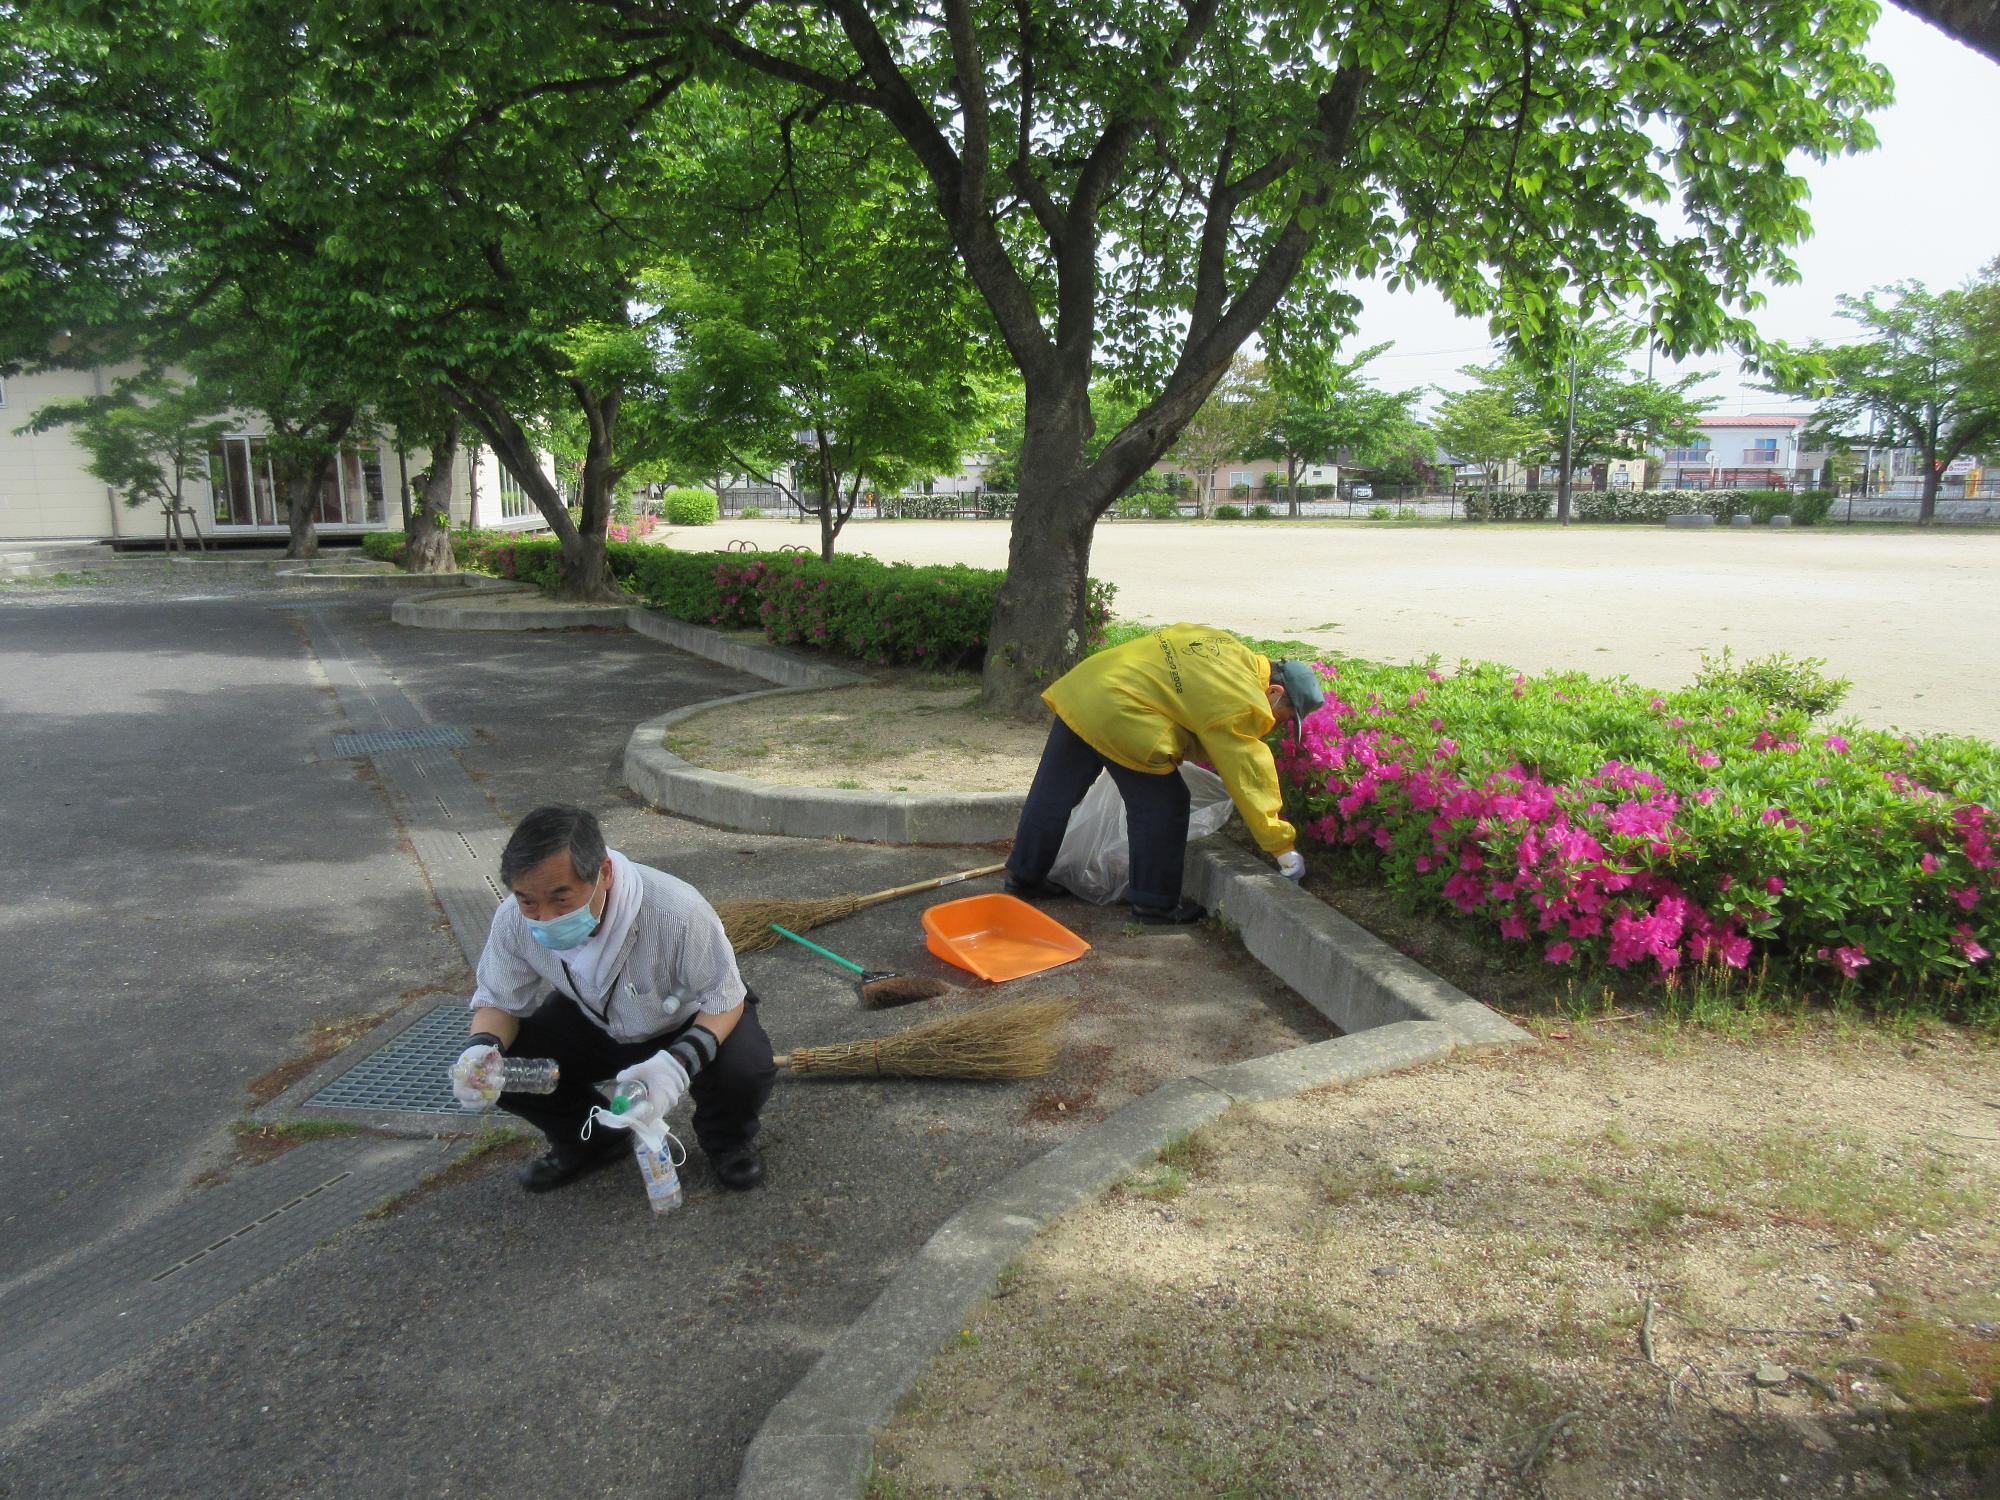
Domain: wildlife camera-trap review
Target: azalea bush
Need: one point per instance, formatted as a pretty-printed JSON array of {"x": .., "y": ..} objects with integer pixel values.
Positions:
[{"x": 1595, "y": 823}]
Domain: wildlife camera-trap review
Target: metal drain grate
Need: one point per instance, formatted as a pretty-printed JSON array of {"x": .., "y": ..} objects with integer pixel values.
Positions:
[
  {"x": 437, "y": 737},
  {"x": 411, "y": 1073}
]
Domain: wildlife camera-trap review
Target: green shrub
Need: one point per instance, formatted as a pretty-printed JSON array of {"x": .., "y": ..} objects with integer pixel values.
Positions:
[
  {"x": 689, "y": 507},
  {"x": 1510, "y": 505},
  {"x": 752, "y": 513},
  {"x": 1778, "y": 681},
  {"x": 384, "y": 546},
  {"x": 880, "y": 612},
  {"x": 1151, "y": 504},
  {"x": 1810, "y": 508},
  {"x": 1260, "y": 512},
  {"x": 624, "y": 508},
  {"x": 1378, "y": 513},
  {"x": 1229, "y": 513},
  {"x": 1240, "y": 491}
]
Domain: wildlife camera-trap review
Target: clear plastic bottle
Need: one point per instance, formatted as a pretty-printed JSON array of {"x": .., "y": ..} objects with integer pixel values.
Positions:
[
  {"x": 529, "y": 1075},
  {"x": 655, "y": 1151}
]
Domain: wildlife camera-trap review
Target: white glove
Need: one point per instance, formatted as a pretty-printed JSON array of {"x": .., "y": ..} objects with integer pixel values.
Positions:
[
  {"x": 665, "y": 1080},
  {"x": 475, "y": 1077},
  {"x": 1292, "y": 865}
]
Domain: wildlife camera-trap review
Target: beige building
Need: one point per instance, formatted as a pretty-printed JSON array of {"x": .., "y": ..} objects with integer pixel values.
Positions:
[{"x": 48, "y": 494}]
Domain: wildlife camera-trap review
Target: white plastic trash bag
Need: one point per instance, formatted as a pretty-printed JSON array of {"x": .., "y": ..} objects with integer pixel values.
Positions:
[{"x": 1095, "y": 861}]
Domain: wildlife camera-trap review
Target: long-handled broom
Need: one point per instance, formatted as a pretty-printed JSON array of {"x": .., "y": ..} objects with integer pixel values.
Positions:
[
  {"x": 879, "y": 988},
  {"x": 749, "y": 923},
  {"x": 1014, "y": 1039}
]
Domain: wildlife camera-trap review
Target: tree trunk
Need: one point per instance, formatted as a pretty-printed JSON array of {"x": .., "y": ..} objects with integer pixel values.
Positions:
[
  {"x": 302, "y": 490},
  {"x": 1292, "y": 482},
  {"x": 1039, "y": 628},
  {"x": 1927, "y": 507},
  {"x": 586, "y": 570},
  {"x": 428, "y": 549}
]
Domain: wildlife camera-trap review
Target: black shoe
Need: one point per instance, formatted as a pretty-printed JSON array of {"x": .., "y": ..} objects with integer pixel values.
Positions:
[
  {"x": 1171, "y": 916},
  {"x": 563, "y": 1164},
  {"x": 738, "y": 1170},
  {"x": 1026, "y": 888}
]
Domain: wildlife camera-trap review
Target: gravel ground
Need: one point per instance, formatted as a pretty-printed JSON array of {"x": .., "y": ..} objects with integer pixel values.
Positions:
[{"x": 1434, "y": 1284}]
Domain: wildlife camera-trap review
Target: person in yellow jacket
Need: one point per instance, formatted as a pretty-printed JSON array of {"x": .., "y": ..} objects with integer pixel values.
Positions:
[{"x": 1139, "y": 710}]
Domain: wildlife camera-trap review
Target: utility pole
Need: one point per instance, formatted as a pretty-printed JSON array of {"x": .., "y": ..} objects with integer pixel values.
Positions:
[{"x": 1569, "y": 445}]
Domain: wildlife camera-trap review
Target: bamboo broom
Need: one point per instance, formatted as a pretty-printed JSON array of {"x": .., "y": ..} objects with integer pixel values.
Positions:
[
  {"x": 1014, "y": 1039},
  {"x": 748, "y": 923}
]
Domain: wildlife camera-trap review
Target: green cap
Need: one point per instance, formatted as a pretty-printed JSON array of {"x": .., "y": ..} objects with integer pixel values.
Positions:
[{"x": 1301, "y": 684}]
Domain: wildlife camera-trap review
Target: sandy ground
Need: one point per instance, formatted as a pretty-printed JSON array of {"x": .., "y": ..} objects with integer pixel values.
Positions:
[
  {"x": 906, "y": 732},
  {"x": 1913, "y": 618},
  {"x": 1437, "y": 1284}
]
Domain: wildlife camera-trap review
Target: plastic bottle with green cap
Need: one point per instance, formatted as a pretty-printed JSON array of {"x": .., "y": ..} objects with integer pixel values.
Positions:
[{"x": 653, "y": 1145}]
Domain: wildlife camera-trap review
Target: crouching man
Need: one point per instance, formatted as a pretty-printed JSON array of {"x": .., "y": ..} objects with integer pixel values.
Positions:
[{"x": 618, "y": 970}]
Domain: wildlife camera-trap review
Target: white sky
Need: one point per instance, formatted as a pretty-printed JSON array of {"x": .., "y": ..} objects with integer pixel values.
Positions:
[{"x": 1924, "y": 204}]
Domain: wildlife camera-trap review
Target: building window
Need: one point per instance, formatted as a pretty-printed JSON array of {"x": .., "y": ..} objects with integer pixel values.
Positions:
[
  {"x": 1239, "y": 476},
  {"x": 514, "y": 501},
  {"x": 244, "y": 487},
  {"x": 1688, "y": 455}
]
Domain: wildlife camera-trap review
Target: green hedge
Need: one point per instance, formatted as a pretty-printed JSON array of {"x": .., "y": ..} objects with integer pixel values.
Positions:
[
  {"x": 689, "y": 507},
  {"x": 889, "y": 613},
  {"x": 988, "y": 506},
  {"x": 1805, "y": 507}
]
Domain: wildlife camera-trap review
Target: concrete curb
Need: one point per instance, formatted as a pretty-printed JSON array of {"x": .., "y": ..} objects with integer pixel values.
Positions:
[
  {"x": 429, "y": 583},
  {"x": 1350, "y": 976},
  {"x": 675, "y": 786},
  {"x": 437, "y": 611},
  {"x": 767, "y": 662},
  {"x": 818, "y": 1443}
]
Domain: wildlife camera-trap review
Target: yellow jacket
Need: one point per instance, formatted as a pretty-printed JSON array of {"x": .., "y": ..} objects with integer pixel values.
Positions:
[{"x": 1149, "y": 703}]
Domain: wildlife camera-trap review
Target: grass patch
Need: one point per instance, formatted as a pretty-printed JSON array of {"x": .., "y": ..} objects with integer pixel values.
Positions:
[
  {"x": 492, "y": 1146},
  {"x": 319, "y": 1044},
  {"x": 1949, "y": 1374}
]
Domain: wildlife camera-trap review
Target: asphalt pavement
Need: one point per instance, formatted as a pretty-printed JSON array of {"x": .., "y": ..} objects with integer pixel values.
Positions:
[{"x": 473, "y": 1339}]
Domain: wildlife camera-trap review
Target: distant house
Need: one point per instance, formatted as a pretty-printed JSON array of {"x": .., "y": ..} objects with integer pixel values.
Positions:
[
  {"x": 1742, "y": 453},
  {"x": 48, "y": 494}
]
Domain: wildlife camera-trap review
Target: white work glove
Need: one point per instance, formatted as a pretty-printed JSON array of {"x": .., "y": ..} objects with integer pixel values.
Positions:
[
  {"x": 665, "y": 1080},
  {"x": 1292, "y": 865},
  {"x": 475, "y": 1077}
]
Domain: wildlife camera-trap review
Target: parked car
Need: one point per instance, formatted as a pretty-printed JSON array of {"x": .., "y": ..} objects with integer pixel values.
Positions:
[{"x": 1361, "y": 492}]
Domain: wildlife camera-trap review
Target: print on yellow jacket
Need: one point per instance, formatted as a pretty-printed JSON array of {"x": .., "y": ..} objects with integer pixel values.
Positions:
[{"x": 1184, "y": 690}]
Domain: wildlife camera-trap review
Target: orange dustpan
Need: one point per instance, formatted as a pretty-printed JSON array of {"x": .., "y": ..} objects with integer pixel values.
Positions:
[{"x": 999, "y": 937}]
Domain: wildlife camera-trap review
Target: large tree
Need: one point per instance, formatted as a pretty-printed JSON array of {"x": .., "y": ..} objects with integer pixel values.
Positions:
[
  {"x": 819, "y": 334},
  {"x": 1583, "y": 392},
  {"x": 1328, "y": 407},
  {"x": 1923, "y": 373},
  {"x": 1230, "y": 425},
  {"x": 148, "y": 438},
  {"x": 1482, "y": 426},
  {"x": 1139, "y": 187}
]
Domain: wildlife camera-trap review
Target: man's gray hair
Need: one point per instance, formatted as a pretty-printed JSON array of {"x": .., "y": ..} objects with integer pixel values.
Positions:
[{"x": 554, "y": 830}]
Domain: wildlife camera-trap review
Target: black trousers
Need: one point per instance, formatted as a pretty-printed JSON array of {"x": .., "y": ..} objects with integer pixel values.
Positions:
[
  {"x": 728, "y": 1094},
  {"x": 1156, "y": 818}
]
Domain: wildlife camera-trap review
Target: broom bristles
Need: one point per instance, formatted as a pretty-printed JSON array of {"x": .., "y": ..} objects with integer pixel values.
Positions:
[
  {"x": 900, "y": 989},
  {"x": 748, "y": 923},
  {"x": 1015, "y": 1039}
]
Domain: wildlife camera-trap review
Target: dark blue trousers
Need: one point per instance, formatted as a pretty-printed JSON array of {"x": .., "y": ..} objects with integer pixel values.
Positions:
[{"x": 1156, "y": 818}]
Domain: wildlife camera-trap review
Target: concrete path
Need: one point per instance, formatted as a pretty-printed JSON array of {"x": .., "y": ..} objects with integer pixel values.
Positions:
[{"x": 475, "y": 1339}]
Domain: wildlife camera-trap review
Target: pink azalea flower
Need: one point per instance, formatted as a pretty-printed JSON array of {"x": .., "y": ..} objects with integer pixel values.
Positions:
[
  {"x": 1559, "y": 953},
  {"x": 1928, "y": 864},
  {"x": 1849, "y": 960},
  {"x": 1775, "y": 885},
  {"x": 1967, "y": 898},
  {"x": 1707, "y": 758},
  {"x": 1836, "y": 744},
  {"x": 1969, "y": 945},
  {"x": 1513, "y": 927}
]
